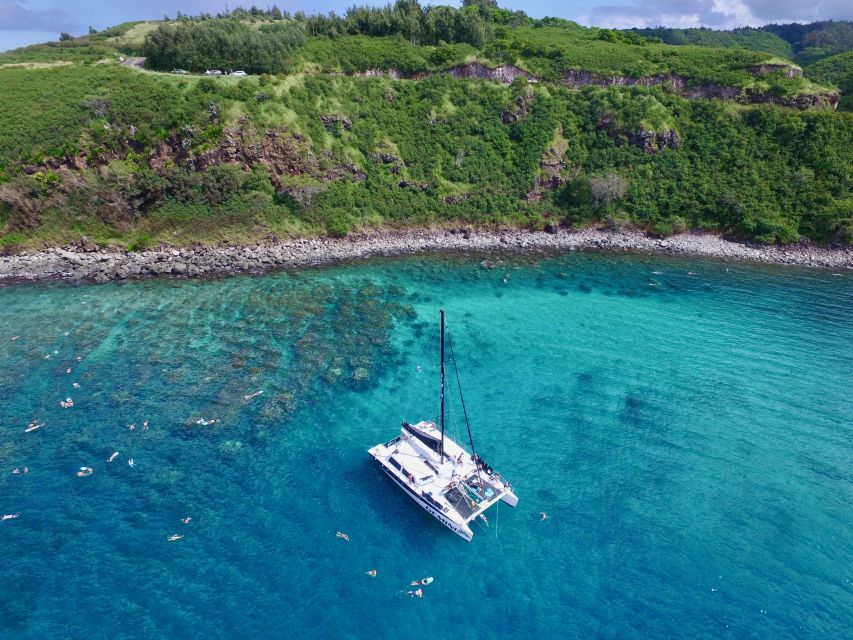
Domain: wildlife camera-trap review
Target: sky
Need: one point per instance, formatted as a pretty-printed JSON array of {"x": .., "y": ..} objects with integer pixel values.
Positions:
[{"x": 25, "y": 22}]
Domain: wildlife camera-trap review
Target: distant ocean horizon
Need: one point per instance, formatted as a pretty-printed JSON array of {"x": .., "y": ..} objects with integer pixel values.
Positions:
[{"x": 687, "y": 426}]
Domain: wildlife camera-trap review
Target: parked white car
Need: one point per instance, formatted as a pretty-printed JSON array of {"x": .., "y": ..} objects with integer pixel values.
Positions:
[
  {"x": 239, "y": 73},
  {"x": 213, "y": 72},
  {"x": 179, "y": 71}
]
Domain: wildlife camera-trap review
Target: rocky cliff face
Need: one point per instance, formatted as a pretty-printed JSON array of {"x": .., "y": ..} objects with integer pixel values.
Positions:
[
  {"x": 773, "y": 67},
  {"x": 519, "y": 108},
  {"x": 552, "y": 170},
  {"x": 654, "y": 141},
  {"x": 392, "y": 73},
  {"x": 504, "y": 73},
  {"x": 282, "y": 153},
  {"x": 575, "y": 79}
]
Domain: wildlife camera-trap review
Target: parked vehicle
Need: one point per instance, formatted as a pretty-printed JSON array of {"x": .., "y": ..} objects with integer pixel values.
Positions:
[
  {"x": 239, "y": 73},
  {"x": 213, "y": 72},
  {"x": 180, "y": 71}
]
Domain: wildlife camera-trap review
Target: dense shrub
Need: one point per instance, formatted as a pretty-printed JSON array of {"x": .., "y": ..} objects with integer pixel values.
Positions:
[{"x": 222, "y": 44}]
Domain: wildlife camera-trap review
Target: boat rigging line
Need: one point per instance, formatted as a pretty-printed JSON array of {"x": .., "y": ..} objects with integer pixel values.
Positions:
[
  {"x": 461, "y": 397},
  {"x": 441, "y": 312}
]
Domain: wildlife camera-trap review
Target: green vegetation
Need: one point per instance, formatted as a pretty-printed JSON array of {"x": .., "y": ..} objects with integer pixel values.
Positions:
[
  {"x": 135, "y": 157},
  {"x": 223, "y": 44},
  {"x": 376, "y": 38},
  {"x": 806, "y": 44},
  {"x": 836, "y": 70},
  {"x": 55, "y": 111},
  {"x": 803, "y": 43},
  {"x": 812, "y": 42},
  {"x": 548, "y": 52},
  {"x": 747, "y": 38}
]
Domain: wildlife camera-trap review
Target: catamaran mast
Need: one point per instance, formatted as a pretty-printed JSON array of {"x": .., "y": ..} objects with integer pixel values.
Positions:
[{"x": 441, "y": 313}]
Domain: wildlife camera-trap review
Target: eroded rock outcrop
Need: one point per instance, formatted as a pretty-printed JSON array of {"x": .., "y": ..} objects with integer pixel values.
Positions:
[
  {"x": 283, "y": 154},
  {"x": 27, "y": 207},
  {"x": 551, "y": 169},
  {"x": 772, "y": 67},
  {"x": 519, "y": 108},
  {"x": 505, "y": 73},
  {"x": 654, "y": 141},
  {"x": 577, "y": 78},
  {"x": 394, "y": 74},
  {"x": 332, "y": 120}
]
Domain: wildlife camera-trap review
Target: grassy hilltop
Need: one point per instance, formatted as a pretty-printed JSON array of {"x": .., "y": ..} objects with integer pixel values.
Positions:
[
  {"x": 408, "y": 115},
  {"x": 823, "y": 49}
]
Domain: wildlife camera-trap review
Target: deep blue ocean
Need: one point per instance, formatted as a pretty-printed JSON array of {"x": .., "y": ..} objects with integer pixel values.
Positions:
[{"x": 686, "y": 425}]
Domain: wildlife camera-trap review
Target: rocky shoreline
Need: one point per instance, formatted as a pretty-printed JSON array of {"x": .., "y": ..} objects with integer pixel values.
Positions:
[{"x": 87, "y": 262}]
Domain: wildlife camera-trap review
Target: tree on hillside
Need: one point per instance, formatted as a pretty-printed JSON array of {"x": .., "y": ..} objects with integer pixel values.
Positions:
[
  {"x": 607, "y": 189},
  {"x": 223, "y": 44}
]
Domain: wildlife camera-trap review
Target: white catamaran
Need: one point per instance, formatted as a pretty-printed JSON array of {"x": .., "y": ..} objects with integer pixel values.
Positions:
[{"x": 453, "y": 485}]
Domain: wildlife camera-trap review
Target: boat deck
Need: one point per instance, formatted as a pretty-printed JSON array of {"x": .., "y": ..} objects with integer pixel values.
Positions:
[
  {"x": 463, "y": 505},
  {"x": 456, "y": 486},
  {"x": 451, "y": 484}
]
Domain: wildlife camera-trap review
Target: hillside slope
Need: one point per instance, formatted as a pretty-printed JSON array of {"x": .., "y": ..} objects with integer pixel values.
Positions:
[
  {"x": 805, "y": 44},
  {"x": 503, "y": 119}
]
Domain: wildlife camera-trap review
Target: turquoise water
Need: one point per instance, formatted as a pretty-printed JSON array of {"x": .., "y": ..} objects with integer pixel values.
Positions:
[{"x": 688, "y": 427}]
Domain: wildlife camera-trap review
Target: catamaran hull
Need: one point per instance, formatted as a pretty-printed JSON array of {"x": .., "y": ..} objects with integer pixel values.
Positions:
[
  {"x": 462, "y": 531},
  {"x": 510, "y": 498}
]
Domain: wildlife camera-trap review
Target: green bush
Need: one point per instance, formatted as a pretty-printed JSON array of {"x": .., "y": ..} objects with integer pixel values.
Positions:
[
  {"x": 338, "y": 225},
  {"x": 142, "y": 242}
]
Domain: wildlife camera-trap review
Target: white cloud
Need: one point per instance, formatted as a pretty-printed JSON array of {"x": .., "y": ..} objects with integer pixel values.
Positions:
[
  {"x": 719, "y": 14},
  {"x": 734, "y": 10},
  {"x": 16, "y": 15}
]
